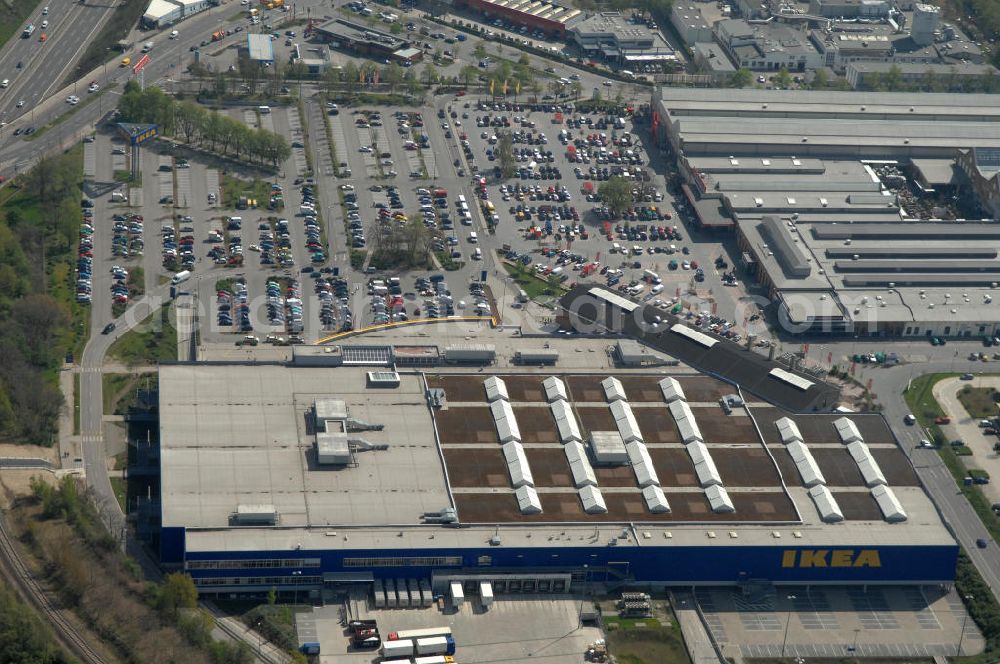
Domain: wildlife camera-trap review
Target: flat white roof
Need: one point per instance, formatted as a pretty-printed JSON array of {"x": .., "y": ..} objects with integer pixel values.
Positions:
[
  {"x": 236, "y": 434},
  {"x": 790, "y": 378},
  {"x": 693, "y": 335}
]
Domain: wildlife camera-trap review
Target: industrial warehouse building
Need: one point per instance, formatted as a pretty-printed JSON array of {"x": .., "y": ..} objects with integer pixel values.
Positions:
[
  {"x": 548, "y": 17},
  {"x": 825, "y": 192},
  {"x": 301, "y": 477}
]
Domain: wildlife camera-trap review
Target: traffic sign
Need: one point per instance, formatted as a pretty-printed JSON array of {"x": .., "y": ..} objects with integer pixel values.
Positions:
[{"x": 138, "y": 66}]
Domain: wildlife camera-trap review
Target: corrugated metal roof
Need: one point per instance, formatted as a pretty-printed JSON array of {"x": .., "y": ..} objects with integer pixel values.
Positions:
[
  {"x": 566, "y": 422},
  {"x": 792, "y": 379},
  {"x": 625, "y": 420},
  {"x": 517, "y": 465},
  {"x": 847, "y": 430},
  {"x": 869, "y": 468},
  {"x": 503, "y": 415},
  {"x": 615, "y": 299},
  {"x": 496, "y": 388},
  {"x": 719, "y": 499},
  {"x": 579, "y": 465},
  {"x": 593, "y": 501},
  {"x": 788, "y": 430},
  {"x": 642, "y": 464},
  {"x": 555, "y": 388},
  {"x": 695, "y": 336},
  {"x": 808, "y": 469},
  {"x": 686, "y": 424},
  {"x": 892, "y": 510},
  {"x": 704, "y": 465},
  {"x": 613, "y": 388},
  {"x": 527, "y": 500},
  {"x": 672, "y": 390},
  {"x": 656, "y": 502},
  {"x": 829, "y": 510}
]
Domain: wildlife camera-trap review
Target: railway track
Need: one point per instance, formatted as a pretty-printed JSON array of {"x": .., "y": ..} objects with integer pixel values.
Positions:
[{"x": 31, "y": 591}]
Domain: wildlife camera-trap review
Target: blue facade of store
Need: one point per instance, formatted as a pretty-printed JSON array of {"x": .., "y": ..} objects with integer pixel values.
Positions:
[{"x": 668, "y": 565}]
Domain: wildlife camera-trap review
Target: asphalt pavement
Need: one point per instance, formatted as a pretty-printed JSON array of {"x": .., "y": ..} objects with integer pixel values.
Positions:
[{"x": 954, "y": 509}]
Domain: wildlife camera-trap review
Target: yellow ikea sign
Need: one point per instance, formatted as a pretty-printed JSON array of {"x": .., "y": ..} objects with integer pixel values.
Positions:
[{"x": 831, "y": 558}]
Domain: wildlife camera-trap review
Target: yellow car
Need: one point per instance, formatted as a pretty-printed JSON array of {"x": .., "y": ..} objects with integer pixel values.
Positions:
[{"x": 126, "y": 61}]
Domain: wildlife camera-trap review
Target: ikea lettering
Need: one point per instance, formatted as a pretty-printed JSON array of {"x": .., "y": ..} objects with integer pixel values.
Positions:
[{"x": 831, "y": 558}]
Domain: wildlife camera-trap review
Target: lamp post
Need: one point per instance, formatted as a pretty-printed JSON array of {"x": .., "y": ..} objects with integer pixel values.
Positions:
[
  {"x": 788, "y": 621},
  {"x": 961, "y": 636}
]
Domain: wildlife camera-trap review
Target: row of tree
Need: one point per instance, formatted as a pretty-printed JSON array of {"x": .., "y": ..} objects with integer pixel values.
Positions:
[
  {"x": 194, "y": 124},
  {"x": 38, "y": 231}
]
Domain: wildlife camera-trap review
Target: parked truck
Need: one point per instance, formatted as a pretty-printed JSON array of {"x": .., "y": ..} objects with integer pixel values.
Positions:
[
  {"x": 419, "y": 633},
  {"x": 218, "y": 35},
  {"x": 436, "y": 645},
  {"x": 397, "y": 648}
]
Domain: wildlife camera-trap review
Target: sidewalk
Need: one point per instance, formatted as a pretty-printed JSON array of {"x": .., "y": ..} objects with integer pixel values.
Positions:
[{"x": 696, "y": 637}]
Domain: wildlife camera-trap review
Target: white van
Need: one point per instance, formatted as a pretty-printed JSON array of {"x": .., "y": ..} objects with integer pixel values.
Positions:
[
  {"x": 461, "y": 199},
  {"x": 616, "y": 248},
  {"x": 264, "y": 110},
  {"x": 180, "y": 277},
  {"x": 655, "y": 290},
  {"x": 473, "y": 238},
  {"x": 477, "y": 254}
]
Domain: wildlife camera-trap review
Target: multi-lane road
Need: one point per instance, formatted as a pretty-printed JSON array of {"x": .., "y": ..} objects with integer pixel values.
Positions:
[{"x": 44, "y": 65}]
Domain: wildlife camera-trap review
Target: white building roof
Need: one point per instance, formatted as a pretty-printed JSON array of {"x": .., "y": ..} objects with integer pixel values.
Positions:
[
  {"x": 527, "y": 500},
  {"x": 517, "y": 465},
  {"x": 891, "y": 508},
  {"x": 719, "y": 499},
  {"x": 655, "y": 500},
  {"x": 788, "y": 430},
  {"x": 608, "y": 447},
  {"x": 579, "y": 465},
  {"x": 870, "y": 471},
  {"x": 625, "y": 420},
  {"x": 503, "y": 415},
  {"x": 686, "y": 424},
  {"x": 672, "y": 390},
  {"x": 827, "y": 507},
  {"x": 847, "y": 430},
  {"x": 566, "y": 422},
  {"x": 593, "y": 501},
  {"x": 159, "y": 8},
  {"x": 704, "y": 465},
  {"x": 613, "y": 388},
  {"x": 496, "y": 389},
  {"x": 555, "y": 389},
  {"x": 642, "y": 464},
  {"x": 805, "y": 463}
]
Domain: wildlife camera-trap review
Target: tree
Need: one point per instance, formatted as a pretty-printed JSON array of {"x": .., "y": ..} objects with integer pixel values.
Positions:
[
  {"x": 893, "y": 79},
  {"x": 783, "y": 79},
  {"x": 616, "y": 192},
  {"x": 396, "y": 28},
  {"x": 392, "y": 74},
  {"x": 480, "y": 50},
  {"x": 468, "y": 74},
  {"x": 505, "y": 154},
  {"x": 576, "y": 89},
  {"x": 820, "y": 79},
  {"x": 352, "y": 75},
  {"x": 430, "y": 74},
  {"x": 741, "y": 78},
  {"x": 177, "y": 591}
]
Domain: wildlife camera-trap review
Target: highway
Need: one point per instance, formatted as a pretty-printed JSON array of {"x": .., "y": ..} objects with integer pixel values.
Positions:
[{"x": 44, "y": 65}]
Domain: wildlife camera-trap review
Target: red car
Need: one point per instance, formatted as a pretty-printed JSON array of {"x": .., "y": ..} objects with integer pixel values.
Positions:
[{"x": 942, "y": 420}]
